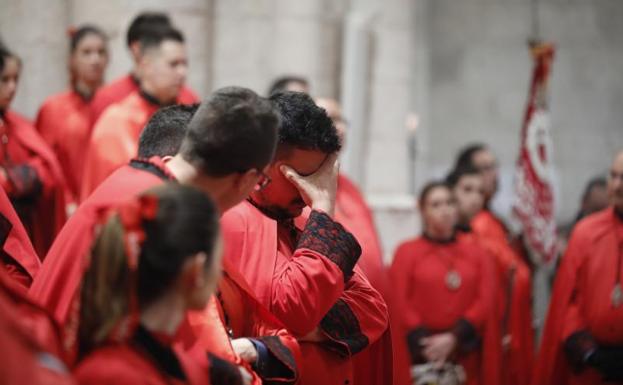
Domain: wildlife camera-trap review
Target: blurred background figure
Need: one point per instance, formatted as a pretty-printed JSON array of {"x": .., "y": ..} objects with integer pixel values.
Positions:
[
  {"x": 64, "y": 120},
  {"x": 289, "y": 83},
  {"x": 29, "y": 171}
]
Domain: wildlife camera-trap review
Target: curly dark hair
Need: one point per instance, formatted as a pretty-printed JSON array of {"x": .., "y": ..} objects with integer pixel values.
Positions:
[{"x": 304, "y": 125}]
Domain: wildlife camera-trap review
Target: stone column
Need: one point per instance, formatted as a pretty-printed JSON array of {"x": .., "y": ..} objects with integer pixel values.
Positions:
[{"x": 38, "y": 35}]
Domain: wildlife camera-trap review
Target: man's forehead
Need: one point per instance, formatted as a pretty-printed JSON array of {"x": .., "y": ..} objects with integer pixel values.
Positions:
[{"x": 305, "y": 162}]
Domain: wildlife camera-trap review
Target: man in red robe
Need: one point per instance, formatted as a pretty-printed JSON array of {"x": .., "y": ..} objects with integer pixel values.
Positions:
[
  {"x": 29, "y": 172},
  {"x": 18, "y": 256},
  {"x": 115, "y": 135},
  {"x": 143, "y": 26},
  {"x": 352, "y": 211},
  {"x": 213, "y": 148},
  {"x": 515, "y": 302},
  {"x": 307, "y": 277},
  {"x": 583, "y": 336}
]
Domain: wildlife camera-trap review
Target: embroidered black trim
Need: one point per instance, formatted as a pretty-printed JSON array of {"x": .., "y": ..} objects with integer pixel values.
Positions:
[
  {"x": 414, "y": 338},
  {"x": 329, "y": 238},
  {"x": 163, "y": 356},
  {"x": 342, "y": 325},
  {"x": 285, "y": 369},
  {"x": 146, "y": 165},
  {"x": 578, "y": 346},
  {"x": 467, "y": 337},
  {"x": 223, "y": 372}
]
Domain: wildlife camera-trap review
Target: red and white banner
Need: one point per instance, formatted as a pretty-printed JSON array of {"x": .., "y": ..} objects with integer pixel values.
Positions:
[{"x": 534, "y": 197}]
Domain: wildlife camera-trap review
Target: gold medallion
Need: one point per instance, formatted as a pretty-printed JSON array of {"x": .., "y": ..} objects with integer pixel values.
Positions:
[
  {"x": 453, "y": 280},
  {"x": 617, "y": 295}
]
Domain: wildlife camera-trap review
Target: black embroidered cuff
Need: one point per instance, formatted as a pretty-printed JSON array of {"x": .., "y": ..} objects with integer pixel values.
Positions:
[
  {"x": 578, "y": 348},
  {"x": 467, "y": 337},
  {"x": 342, "y": 326},
  {"x": 279, "y": 367},
  {"x": 414, "y": 338},
  {"x": 223, "y": 372},
  {"x": 25, "y": 181},
  {"x": 327, "y": 237}
]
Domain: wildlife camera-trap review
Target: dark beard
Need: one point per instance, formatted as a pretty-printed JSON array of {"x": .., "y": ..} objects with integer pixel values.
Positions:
[{"x": 274, "y": 212}]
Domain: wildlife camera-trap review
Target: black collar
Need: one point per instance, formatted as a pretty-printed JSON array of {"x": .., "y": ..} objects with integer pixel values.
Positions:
[
  {"x": 161, "y": 355},
  {"x": 464, "y": 228},
  {"x": 618, "y": 214},
  {"x": 151, "y": 99}
]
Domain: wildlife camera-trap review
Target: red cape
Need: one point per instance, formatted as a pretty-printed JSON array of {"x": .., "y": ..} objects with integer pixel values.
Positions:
[
  {"x": 114, "y": 140},
  {"x": 58, "y": 281},
  {"x": 118, "y": 89},
  {"x": 581, "y": 299},
  {"x": 123, "y": 364},
  {"x": 373, "y": 365},
  {"x": 518, "y": 359},
  {"x": 419, "y": 290},
  {"x": 62, "y": 116},
  {"x": 20, "y": 259},
  {"x": 48, "y": 215},
  {"x": 302, "y": 294},
  {"x": 26, "y": 333}
]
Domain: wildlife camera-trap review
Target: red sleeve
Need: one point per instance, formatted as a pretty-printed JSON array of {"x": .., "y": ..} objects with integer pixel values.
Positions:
[
  {"x": 478, "y": 312},
  {"x": 44, "y": 124},
  {"x": 307, "y": 286},
  {"x": 400, "y": 276},
  {"x": 357, "y": 319}
]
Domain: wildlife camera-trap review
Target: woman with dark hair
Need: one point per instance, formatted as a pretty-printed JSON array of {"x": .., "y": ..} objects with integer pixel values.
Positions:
[
  {"x": 64, "y": 119},
  {"x": 443, "y": 300},
  {"x": 29, "y": 171},
  {"x": 155, "y": 258}
]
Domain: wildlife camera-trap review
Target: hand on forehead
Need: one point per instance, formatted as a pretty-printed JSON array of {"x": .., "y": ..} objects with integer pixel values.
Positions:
[{"x": 304, "y": 162}]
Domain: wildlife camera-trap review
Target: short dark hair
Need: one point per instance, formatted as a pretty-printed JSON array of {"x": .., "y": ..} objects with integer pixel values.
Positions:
[
  {"x": 428, "y": 188},
  {"x": 598, "y": 181},
  {"x": 304, "y": 125},
  {"x": 234, "y": 130},
  {"x": 281, "y": 83},
  {"x": 144, "y": 24},
  {"x": 455, "y": 175},
  {"x": 76, "y": 36},
  {"x": 159, "y": 36},
  {"x": 5, "y": 53},
  {"x": 163, "y": 134},
  {"x": 466, "y": 155}
]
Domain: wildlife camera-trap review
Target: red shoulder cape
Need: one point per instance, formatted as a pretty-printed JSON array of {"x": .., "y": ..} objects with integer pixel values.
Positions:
[
  {"x": 51, "y": 205},
  {"x": 57, "y": 283},
  {"x": 24, "y": 262}
]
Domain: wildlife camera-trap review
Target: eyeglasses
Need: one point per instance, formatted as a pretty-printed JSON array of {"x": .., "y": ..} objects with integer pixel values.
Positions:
[{"x": 263, "y": 181}]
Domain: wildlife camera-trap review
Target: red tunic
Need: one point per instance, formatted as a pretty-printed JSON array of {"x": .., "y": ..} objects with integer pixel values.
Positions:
[
  {"x": 422, "y": 299},
  {"x": 18, "y": 256},
  {"x": 118, "y": 89},
  {"x": 27, "y": 354},
  {"x": 516, "y": 315},
  {"x": 45, "y": 215},
  {"x": 64, "y": 122},
  {"x": 581, "y": 299},
  {"x": 133, "y": 363},
  {"x": 374, "y": 364},
  {"x": 308, "y": 283}
]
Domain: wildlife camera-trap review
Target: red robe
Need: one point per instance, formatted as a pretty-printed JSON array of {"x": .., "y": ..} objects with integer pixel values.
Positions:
[
  {"x": 64, "y": 122},
  {"x": 114, "y": 140},
  {"x": 57, "y": 285},
  {"x": 374, "y": 364},
  {"x": 44, "y": 216},
  {"x": 308, "y": 284},
  {"x": 118, "y": 89},
  {"x": 581, "y": 299},
  {"x": 516, "y": 315},
  {"x": 27, "y": 358},
  {"x": 133, "y": 363},
  {"x": 18, "y": 256},
  {"x": 422, "y": 300}
]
